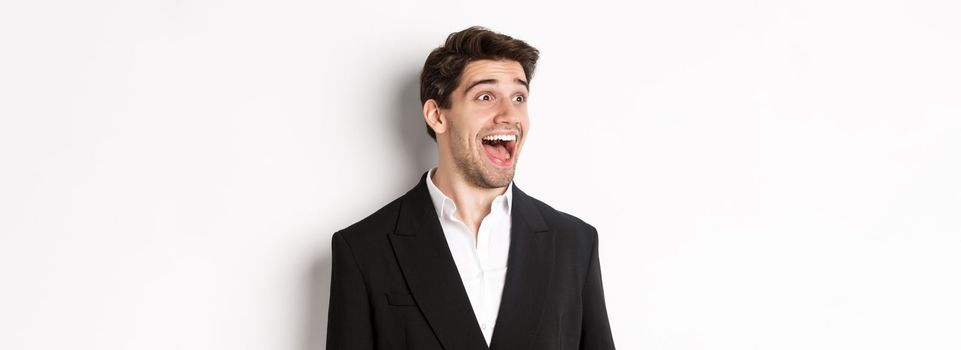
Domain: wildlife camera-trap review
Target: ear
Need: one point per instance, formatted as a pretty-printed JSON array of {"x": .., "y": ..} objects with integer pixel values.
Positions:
[{"x": 434, "y": 116}]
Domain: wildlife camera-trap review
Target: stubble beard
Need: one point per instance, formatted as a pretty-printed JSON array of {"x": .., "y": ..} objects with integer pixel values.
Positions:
[{"x": 476, "y": 172}]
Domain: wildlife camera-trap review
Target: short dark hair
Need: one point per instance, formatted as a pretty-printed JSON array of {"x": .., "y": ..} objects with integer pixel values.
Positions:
[{"x": 444, "y": 65}]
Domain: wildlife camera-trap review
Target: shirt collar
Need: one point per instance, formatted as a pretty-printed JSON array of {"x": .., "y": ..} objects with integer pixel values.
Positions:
[{"x": 445, "y": 207}]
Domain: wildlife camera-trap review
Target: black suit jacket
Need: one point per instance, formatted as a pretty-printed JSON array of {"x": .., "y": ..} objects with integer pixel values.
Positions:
[{"x": 394, "y": 284}]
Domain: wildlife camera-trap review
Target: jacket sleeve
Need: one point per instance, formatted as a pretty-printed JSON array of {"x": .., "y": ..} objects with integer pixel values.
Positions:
[
  {"x": 595, "y": 327},
  {"x": 349, "y": 323}
]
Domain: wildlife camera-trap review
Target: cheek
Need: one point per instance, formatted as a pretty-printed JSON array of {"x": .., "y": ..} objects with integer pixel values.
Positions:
[
  {"x": 465, "y": 136},
  {"x": 524, "y": 120}
]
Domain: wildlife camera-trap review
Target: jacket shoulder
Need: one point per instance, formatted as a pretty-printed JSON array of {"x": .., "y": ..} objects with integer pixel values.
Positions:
[
  {"x": 575, "y": 239},
  {"x": 563, "y": 221},
  {"x": 374, "y": 225}
]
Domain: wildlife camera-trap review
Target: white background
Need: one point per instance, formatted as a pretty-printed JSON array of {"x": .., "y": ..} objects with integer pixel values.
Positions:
[{"x": 763, "y": 174}]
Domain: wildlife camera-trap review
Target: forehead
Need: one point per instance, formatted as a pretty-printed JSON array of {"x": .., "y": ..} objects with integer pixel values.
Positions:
[{"x": 501, "y": 70}]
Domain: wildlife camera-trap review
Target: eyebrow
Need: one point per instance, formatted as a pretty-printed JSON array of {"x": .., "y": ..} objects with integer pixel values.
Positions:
[{"x": 492, "y": 82}]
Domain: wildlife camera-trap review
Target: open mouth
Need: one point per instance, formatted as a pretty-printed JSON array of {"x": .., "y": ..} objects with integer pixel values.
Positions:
[{"x": 500, "y": 148}]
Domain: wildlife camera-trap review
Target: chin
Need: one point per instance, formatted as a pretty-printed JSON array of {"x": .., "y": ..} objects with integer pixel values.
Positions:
[
  {"x": 499, "y": 181},
  {"x": 482, "y": 174}
]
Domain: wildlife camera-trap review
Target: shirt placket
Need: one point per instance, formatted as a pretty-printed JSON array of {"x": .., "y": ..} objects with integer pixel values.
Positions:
[
  {"x": 481, "y": 255},
  {"x": 478, "y": 248}
]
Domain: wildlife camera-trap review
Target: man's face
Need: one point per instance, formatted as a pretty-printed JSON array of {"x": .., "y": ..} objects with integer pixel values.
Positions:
[{"x": 488, "y": 121}]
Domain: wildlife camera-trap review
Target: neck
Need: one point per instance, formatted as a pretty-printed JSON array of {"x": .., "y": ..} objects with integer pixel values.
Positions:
[{"x": 473, "y": 202}]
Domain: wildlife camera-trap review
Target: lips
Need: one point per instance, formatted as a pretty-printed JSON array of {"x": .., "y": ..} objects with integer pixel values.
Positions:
[{"x": 500, "y": 148}]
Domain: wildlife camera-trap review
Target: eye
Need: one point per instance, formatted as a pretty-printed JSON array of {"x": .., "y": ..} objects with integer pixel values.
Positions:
[
  {"x": 520, "y": 98},
  {"x": 485, "y": 97}
]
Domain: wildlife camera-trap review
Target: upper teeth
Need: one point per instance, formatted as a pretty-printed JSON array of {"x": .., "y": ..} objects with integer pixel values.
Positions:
[{"x": 501, "y": 138}]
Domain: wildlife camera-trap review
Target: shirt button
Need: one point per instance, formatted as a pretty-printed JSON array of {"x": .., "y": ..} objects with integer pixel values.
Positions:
[{"x": 484, "y": 326}]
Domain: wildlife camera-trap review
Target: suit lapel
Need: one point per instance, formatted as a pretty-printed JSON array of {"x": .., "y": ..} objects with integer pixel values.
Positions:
[
  {"x": 425, "y": 259},
  {"x": 530, "y": 264}
]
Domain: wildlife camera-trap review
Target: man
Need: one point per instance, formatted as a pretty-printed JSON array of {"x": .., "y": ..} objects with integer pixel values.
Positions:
[{"x": 466, "y": 260}]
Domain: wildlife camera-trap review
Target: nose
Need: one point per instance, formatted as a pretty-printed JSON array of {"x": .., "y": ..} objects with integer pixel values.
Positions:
[{"x": 508, "y": 112}]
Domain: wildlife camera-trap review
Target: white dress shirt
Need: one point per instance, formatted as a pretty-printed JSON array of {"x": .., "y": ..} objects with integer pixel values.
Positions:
[{"x": 482, "y": 264}]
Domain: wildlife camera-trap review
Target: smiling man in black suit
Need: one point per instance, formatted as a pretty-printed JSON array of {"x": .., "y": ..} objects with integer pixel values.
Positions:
[{"x": 466, "y": 260}]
